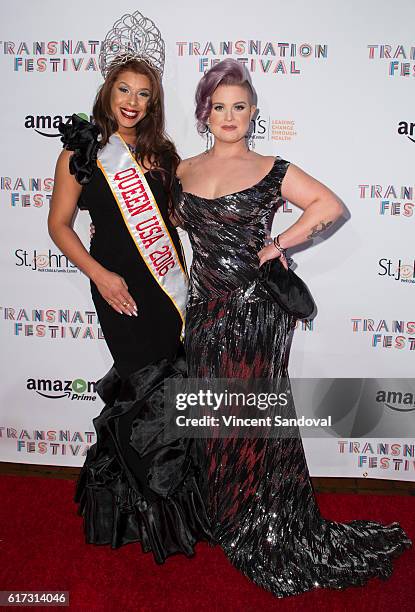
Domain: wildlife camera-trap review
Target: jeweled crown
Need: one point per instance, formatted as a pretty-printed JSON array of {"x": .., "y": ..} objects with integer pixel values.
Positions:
[{"x": 133, "y": 37}]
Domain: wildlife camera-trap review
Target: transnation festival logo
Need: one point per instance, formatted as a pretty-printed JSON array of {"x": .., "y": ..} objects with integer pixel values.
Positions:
[
  {"x": 399, "y": 59},
  {"x": 26, "y": 191},
  {"x": 52, "y": 323},
  {"x": 51, "y": 441},
  {"x": 390, "y": 200},
  {"x": 135, "y": 32},
  {"x": 385, "y": 455},
  {"x": 261, "y": 56},
  {"x": 386, "y": 334},
  {"x": 52, "y": 56},
  {"x": 306, "y": 325}
]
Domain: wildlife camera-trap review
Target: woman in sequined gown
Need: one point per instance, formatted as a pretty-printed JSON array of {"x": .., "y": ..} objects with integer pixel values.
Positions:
[{"x": 260, "y": 499}]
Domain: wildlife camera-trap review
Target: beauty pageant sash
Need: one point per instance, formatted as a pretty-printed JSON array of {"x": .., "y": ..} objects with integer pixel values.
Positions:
[{"x": 143, "y": 219}]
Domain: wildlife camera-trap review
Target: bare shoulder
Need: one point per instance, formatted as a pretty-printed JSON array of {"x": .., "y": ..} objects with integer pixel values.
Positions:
[
  {"x": 62, "y": 165},
  {"x": 269, "y": 160},
  {"x": 263, "y": 162},
  {"x": 265, "y": 159},
  {"x": 63, "y": 158},
  {"x": 295, "y": 173},
  {"x": 189, "y": 164},
  {"x": 63, "y": 177}
]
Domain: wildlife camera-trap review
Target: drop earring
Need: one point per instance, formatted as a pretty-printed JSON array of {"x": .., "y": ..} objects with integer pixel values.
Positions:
[
  {"x": 208, "y": 138},
  {"x": 250, "y": 143}
]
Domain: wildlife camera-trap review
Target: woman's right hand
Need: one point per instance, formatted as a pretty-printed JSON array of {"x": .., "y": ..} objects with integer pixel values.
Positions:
[
  {"x": 114, "y": 290},
  {"x": 271, "y": 252}
]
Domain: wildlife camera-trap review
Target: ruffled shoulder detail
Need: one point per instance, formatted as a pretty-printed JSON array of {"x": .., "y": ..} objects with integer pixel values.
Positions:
[{"x": 81, "y": 137}]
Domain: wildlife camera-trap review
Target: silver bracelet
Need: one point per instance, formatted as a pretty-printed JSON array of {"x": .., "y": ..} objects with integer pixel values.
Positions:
[{"x": 279, "y": 248}]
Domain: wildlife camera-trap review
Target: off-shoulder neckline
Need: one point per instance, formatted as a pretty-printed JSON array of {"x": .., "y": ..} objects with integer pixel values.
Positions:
[{"x": 227, "y": 195}]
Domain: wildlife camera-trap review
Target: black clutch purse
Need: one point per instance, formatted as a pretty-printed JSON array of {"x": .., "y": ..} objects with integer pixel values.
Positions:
[{"x": 287, "y": 289}]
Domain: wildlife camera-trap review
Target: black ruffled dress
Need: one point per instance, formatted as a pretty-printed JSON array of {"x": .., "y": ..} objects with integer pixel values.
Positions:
[{"x": 136, "y": 485}]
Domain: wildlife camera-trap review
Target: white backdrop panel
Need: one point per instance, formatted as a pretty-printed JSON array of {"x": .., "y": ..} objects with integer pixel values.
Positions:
[{"x": 340, "y": 116}]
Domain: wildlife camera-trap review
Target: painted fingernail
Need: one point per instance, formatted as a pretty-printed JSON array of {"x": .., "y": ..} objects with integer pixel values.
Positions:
[{"x": 135, "y": 313}]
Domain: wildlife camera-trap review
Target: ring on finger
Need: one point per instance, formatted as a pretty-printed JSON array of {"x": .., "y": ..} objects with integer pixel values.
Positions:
[{"x": 126, "y": 304}]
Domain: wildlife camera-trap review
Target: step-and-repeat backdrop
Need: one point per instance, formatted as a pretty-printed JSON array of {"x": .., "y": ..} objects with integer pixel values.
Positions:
[{"x": 335, "y": 83}]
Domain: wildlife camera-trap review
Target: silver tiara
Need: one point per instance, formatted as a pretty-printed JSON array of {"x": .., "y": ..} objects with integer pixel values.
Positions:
[{"x": 133, "y": 37}]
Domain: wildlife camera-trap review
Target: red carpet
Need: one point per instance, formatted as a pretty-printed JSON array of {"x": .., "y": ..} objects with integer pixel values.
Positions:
[{"x": 42, "y": 548}]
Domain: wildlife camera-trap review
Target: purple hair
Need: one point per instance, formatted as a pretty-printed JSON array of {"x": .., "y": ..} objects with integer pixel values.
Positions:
[{"x": 226, "y": 72}]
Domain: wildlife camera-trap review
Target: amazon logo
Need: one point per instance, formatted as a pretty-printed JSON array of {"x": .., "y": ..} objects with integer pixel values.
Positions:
[
  {"x": 397, "y": 400},
  {"x": 76, "y": 389},
  {"x": 407, "y": 129},
  {"x": 47, "y": 125}
]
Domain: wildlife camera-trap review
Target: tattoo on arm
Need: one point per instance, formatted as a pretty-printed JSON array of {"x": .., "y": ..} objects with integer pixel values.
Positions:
[{"x": 317, "y": 229}]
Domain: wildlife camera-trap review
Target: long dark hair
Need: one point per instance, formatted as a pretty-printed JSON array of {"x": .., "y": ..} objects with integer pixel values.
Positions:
[{"x": 152, "y": 142}]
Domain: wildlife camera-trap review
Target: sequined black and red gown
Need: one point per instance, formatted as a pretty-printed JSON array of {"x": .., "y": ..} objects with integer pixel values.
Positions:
[
  {"x": 135, "y": 485},
  {"x": 260, "y": 498}
]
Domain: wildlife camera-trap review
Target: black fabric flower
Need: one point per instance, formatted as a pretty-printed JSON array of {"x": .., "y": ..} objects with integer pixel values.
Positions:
[{"x": 81, "y": 137}]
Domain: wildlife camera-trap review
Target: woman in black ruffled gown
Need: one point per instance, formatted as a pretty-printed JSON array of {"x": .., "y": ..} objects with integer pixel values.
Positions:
[
  {"x": 260, "y": 499},
  {"x": 134, "y": 486}
]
